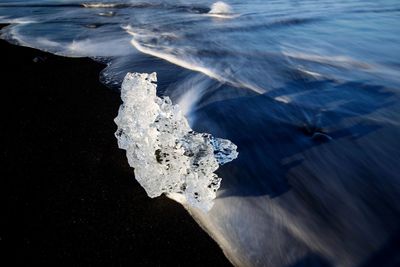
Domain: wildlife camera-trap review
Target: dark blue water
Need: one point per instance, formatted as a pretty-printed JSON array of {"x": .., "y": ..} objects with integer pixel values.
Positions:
[{"x": 308, "y": 90}]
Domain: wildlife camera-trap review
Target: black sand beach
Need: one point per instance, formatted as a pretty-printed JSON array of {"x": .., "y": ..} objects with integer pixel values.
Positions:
[{"x": 70, "y": 196}]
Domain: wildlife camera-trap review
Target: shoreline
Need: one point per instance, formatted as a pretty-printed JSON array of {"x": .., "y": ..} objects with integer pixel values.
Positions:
[{"x": 71, "y": 195}]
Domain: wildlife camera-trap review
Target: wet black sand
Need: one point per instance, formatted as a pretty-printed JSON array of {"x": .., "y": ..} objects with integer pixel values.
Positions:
[{"x": 70, "y": 196}]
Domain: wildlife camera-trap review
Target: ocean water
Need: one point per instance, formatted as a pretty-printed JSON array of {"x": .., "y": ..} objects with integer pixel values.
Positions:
[{"x": 307, "y": 90}]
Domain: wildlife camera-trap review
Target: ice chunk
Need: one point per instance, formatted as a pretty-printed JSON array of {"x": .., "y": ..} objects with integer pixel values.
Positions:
[
  {"x": 220, "y": 8},
  {"x": 168, "y": 156}
]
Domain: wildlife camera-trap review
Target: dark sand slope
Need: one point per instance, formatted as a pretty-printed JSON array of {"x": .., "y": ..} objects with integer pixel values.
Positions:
[{"x": 71, "y": 198}]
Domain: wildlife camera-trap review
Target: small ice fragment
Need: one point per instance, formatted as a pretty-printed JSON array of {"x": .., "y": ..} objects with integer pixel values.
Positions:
[{"x": 220, "y": 8}]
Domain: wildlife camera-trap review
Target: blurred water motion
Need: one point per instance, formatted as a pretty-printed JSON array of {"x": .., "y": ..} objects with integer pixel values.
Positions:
[{"x": 308, "y": 90}]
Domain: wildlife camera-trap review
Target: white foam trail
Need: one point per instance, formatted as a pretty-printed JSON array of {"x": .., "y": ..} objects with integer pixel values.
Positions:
[
  {"x": 101, "y": 5},
  {"x": 222, "y": 16},
  {"x": 107, "y": 14},
  {"x": 283, "y": 99},
  {"x": 311, "y": 73},
  {"x": 339, "y": 61},
  {"x": 177, "y": 61},
  {"x": 98, "y": 48},
  {"x": 186, "y": 64},
  {"x": 6, "y": 20},
  {"x": 46, "y": 43},
  {"x": 191, "y": 91}
]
